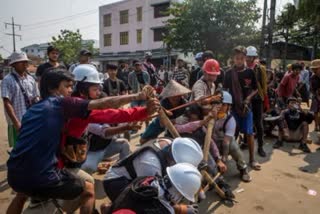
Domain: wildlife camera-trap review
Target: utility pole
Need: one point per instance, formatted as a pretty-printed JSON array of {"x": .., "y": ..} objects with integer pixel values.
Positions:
[
  {"x": 270, "y": 32},
  {"x": 13, "y": 34},
  {"x": 263, "y": 28}
]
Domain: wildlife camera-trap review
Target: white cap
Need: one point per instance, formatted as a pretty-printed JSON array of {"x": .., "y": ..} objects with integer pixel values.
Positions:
[
  {"x": 186, "y": 150},
  {"x": 186, "y": 179},
  {"x": 18, "y": 57},
  {"x": 252, "y": 51},
  {"x": 86, "y": 73},
  {"x": 227, "y": 98}
]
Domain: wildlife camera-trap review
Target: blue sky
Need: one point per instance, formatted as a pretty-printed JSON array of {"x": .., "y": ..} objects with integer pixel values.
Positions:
[{"x": 42, "y": 19}]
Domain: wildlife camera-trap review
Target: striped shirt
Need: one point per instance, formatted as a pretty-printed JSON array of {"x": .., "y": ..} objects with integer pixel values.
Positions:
[{"x": 10, "y": 89}]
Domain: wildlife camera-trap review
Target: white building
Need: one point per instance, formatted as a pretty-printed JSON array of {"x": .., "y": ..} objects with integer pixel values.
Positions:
[
  {"x": 129, "y": 28},
  {"x": 37, "y": 50}
]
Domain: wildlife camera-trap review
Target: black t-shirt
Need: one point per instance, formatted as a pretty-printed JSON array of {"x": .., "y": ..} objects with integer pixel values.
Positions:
[
  {"x": 165, "y": 103},
  {"x": 247, "y": 79},
  {"x": 44, "y": 67},
  {"x": 294, "y": 120},
  {"x": 140, "y": 78},
  {"x": 315, "y": 84},
  {"x": 113, "y": 88}
]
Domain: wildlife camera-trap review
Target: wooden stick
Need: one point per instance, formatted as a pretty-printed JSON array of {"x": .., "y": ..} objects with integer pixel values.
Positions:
[
  {"x": 207, "y": 140},
  {"x": 166, "y": 122}
]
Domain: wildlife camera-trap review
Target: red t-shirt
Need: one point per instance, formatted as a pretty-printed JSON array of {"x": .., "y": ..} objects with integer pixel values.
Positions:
[
  {"x": 75, "y": 127},
  {"x": 287, "y": 85}
]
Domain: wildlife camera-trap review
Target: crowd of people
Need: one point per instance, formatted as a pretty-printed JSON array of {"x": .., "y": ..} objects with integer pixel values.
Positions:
[{"x": 64, "y": 123}]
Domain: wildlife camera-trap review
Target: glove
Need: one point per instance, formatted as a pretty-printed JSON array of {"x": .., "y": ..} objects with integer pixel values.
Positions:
[
  {"x": 186, "y": 209},
  {"x": 193, "y": 209}
]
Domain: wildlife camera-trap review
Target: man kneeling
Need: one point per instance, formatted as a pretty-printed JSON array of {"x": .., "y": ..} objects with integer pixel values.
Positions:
[{"x": 294, "y": 125}]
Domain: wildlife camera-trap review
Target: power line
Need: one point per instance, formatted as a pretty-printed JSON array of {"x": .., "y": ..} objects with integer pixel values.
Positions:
[{"x": 13, "y": 34}]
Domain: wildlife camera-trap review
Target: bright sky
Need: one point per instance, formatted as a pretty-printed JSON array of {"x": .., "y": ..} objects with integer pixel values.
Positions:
[{"x": 42, "y": 19}]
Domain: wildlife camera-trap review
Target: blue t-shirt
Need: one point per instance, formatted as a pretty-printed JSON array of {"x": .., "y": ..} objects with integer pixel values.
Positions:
[{"x": 33, "y": 162}]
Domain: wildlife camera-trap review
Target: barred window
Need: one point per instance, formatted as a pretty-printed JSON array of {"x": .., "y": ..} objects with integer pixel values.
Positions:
[
  {"x": 107, "y": 39},
  {"x": 124, "y": 16},
  {"x": 124, "y": 38},
  {"x": 139, "y": 36},
  {"x": 139, "y": 14},
  {"x": 107, "y": 20}
]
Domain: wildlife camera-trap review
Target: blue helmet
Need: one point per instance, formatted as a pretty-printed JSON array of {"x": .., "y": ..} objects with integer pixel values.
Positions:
[{"x": 199, "y": 56}]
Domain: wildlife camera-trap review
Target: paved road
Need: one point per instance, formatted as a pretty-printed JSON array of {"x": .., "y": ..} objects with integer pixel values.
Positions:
[{"x": 281, "y": 187}]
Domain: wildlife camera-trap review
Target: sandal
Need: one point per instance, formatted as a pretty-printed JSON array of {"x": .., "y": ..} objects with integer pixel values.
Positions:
[{"x": 255, "y": 165}]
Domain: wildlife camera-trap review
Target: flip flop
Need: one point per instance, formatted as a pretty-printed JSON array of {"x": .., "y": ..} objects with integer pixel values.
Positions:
[{"x": 255, "y": 165}]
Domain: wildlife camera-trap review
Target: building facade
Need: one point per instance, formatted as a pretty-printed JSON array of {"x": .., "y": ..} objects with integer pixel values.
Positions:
[{"x": 130, "y": 28}]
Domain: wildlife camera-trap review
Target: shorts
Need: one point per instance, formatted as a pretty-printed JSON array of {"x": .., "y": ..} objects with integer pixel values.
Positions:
[
  {"x": 68, "y": 188},
  {"x": 245, "y": 123},
  {"x": 12, "y": 136}
]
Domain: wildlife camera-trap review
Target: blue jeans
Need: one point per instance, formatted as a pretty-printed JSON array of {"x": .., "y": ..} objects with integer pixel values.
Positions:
[{"x": 117, "y": 146}]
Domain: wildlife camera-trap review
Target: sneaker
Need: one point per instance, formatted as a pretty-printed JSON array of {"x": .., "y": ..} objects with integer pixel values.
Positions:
[
  {"x": 278, "y": 144},
  {"x": 304, "y": 148},
  {"x": 245, "y": 177},
  {"x": 261, "y": 152},
  {"x": 225, "y": 188}
]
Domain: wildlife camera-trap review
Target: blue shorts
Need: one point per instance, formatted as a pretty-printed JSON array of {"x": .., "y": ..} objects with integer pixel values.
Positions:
[{"x": 245, "y": 123}]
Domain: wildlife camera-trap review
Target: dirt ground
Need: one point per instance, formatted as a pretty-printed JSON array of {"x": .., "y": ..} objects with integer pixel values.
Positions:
[{"x": 280, "y": 187}]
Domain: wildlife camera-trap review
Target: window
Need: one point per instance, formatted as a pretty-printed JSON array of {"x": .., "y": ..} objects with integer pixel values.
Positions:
[
  {"x": 107, "y": 20},
  {"x": 31, "y": 50},
  {"x": 124, "y": 38},
  {"x": 139, "y": 14},
  {"x": 161, "y": 9},
  {"x": 158, "y": 34},
  {"x": 139, "y": 36},
  {"x": 124, "y": 16},
  {"x": 107, "y": 39}
]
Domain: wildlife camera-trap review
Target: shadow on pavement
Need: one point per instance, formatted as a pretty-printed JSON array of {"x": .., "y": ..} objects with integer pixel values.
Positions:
[{"x": 232, "y": 177}]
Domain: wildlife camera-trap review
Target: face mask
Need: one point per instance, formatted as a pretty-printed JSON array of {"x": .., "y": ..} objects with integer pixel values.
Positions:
[
  {"x": 221, "y": 115},
  {"x": 296, "y": 106},
  {"x": 175, "y": 195}
]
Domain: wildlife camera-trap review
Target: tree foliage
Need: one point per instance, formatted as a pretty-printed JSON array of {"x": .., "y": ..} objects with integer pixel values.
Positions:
[
  {"x": 301, "y": 26},
  {"x": 70, "y": 43},
  {"x": 218, "y": 25}
]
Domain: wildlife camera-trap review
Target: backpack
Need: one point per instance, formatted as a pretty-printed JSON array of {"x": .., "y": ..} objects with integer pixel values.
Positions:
[
  {"x": 149, "y": 146},
  {"x": 141, "y": 197}
]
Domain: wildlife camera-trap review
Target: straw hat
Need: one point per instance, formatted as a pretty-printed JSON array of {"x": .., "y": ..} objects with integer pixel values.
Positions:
[
  {"x": 174, "y": 89},
  {"x": 18, "y": 57},
  {"x": 315, "y": 64}
]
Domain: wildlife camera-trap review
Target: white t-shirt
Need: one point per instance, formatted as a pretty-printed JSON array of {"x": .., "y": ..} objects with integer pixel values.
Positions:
[{"x": 230, "y": 129}]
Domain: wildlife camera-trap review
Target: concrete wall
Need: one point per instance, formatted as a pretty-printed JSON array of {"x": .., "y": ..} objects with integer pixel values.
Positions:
[{"x": 148, "y": 22}]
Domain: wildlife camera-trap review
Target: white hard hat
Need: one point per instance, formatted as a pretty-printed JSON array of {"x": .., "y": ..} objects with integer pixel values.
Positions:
[
  {"x": 148, "y": 54},
  {"x": 252, "y": 51},
  {"x": 186, "y": 150},
  {"x": 227, "y": 98},
  {"x": 86, "y": 73},
  {"x": 186, "y": 179}
]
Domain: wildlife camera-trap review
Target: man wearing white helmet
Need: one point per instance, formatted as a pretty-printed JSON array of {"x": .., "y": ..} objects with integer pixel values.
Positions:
[
  {"x": 223, "y": 135},
  {"x": 150, "y": 160},
  {"x": 154, "y": 194},
  {"x": 261, "y": 97}
]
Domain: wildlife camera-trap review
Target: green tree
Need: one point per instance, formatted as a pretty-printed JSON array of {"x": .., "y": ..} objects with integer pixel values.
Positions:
[
  {"x": 70, "y": 43},
  {"x": 284, "y": 28},
  {"x": 218, "y": 25}
]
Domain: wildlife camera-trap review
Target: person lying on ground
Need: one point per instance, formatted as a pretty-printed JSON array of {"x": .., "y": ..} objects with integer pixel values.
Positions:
[
  {"x": 161, "y": 194},
  {"x": 294, "y": 125},
  {"x": 32, "y": 165},
  {"x": 150, "y": 160}
]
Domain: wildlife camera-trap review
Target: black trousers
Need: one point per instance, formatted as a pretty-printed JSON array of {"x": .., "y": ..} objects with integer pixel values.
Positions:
[{"x": 257, "y": 109}]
